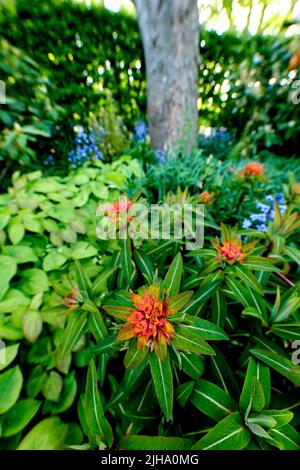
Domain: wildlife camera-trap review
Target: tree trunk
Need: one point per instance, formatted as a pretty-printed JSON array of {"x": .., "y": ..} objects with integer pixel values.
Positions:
[{"x": 170, "y": 33}]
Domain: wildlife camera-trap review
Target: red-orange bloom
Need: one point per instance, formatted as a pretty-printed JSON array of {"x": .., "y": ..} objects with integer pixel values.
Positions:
[
  {"x": 147, "y": 321},
  {"x": 231, "y": 251},
  {"x": 72, "y": 301},
  {"x": 252, "y": 169},
  {"x": 119, "y": 208},
  {"x": 205, "y": 197}
]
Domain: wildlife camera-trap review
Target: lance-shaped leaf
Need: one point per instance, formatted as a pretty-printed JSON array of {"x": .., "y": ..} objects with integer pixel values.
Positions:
[
  {"x": 82, "y": 279},
  {"x": 212, "y": 400},
  {"x": 219, "y": 308},
  {"x": 99, "y": 284},
  {"x": 204, "y": 328},
  {"x": 144, "y": 265},
  {"x": 281, "y": 364},
  {"x": 108, "y": 344},
  {"x": 172, "y": 280},
  {"x": 192, "y": 365},
  {"x": 178, "y": 301},
  {"x": 184, "y": 392},
  {"x": 201, "y": 296},
  {"x": 228, "y": 434},
  {"x": 258, "y": 263},
  {"x": 76, "y": 328},
  {"x": 134, "y": 356},
  {"x": 117, "y": 311},
  {"x": 99, "y": 427},
  {"x": 97, "y": 326},
  {"x": 289, "y": 331},
  {"x": 186, "y": 340},
  {"x": 126, "y": 259},
  {"x": 249, "y": 278},
  {"x": 262, "y": 374},
  {"x": 287, "y": 437},
  {"x": 163, "y": 383}
]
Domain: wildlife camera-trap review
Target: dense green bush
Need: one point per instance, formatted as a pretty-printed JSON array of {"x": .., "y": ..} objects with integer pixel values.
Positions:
[{"x": 244, "y": 84}]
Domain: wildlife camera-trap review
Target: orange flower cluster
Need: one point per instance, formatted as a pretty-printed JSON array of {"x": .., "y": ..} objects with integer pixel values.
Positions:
[
  {"x": 147, "y": 321},
  {"x": 119, "y": 208},
  {"x": 252, "y": 169},
  {"x": 231, "y": 251},
  {"x": 205, "y": 197}
]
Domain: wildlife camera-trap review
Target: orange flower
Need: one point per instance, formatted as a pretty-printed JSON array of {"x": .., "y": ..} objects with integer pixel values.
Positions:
[
  {"x": 252, "y": 169},
  {"x": 119, "y": 208},
  {"x": 231, "y": 248},
  {"x": 147, "y": 321},
  {"x": 231, "y": 251},
  {"x": 205, "y": 197},
  {"x": 73, "y": 300}
]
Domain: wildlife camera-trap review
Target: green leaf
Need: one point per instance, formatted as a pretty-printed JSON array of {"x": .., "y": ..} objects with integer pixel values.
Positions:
[
  {"x": 52, "y": 387},
  {"x": 172, "y": 280},
  {"x": 212, "y": 400},
  {"x": 19, "y": 416},
  {"x": 144, "y": 264},
  {"x": 34, "y": 281},
  {"x": 32, "y": 324},
  {"x": 76, "y": 328},
  {"x": 108, "y": 344},
  {"x": 192, "y": 365},
  {"x": 281, "y": 364},
  {"x": 66, "y": 398},
  {"x": 21, "y": 254},
  {"x": 54, "y": 260},
  {"x": 258, "y": 263},
  {"x": 8, "y": 268},
  {"x": 134, "y": 356},
  {"x": 48, "y": 434},
  {"x": 155, "y": 443},
  {"x": 201, "y": 296},
  {"x": 286, "y": 437},
  {"x": 178, "y": 301},
  {"x": 82, "y": 279},
  {"x": 16, "y": 231},
  {"x": 97, "y": 326},
  {"x": 99, "y": 284},
  {"x": 83, "y": 250},
  {"x": 184, "y": 392},
  {"x": 204, "y": 328},
  {"x": 163, "y": 383},
  {"x": 228, "y": 434},
  {"x": 189, "y": 341},
  {"x": 11, "y": 382},
  {"x": 281, "y": 417},
  {"x": 219, "y": 308},
  {"x": 261, "y": 373},
  {"x": 247, "y": 277},
  {"x": 9, "y": 354},
  {"x": 99, "y": 427},
  {"x": 126, "y": 259}
]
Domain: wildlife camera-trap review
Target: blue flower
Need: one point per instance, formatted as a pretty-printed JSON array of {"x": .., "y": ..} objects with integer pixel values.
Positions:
[
  {"x": 140, "y": 132},
  {"x": 160, "y": 156},
  {"x": 246, "y": 223}
]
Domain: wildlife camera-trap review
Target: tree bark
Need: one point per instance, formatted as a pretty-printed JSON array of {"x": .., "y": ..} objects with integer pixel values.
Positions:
[{"x": 170, "y": 33}]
